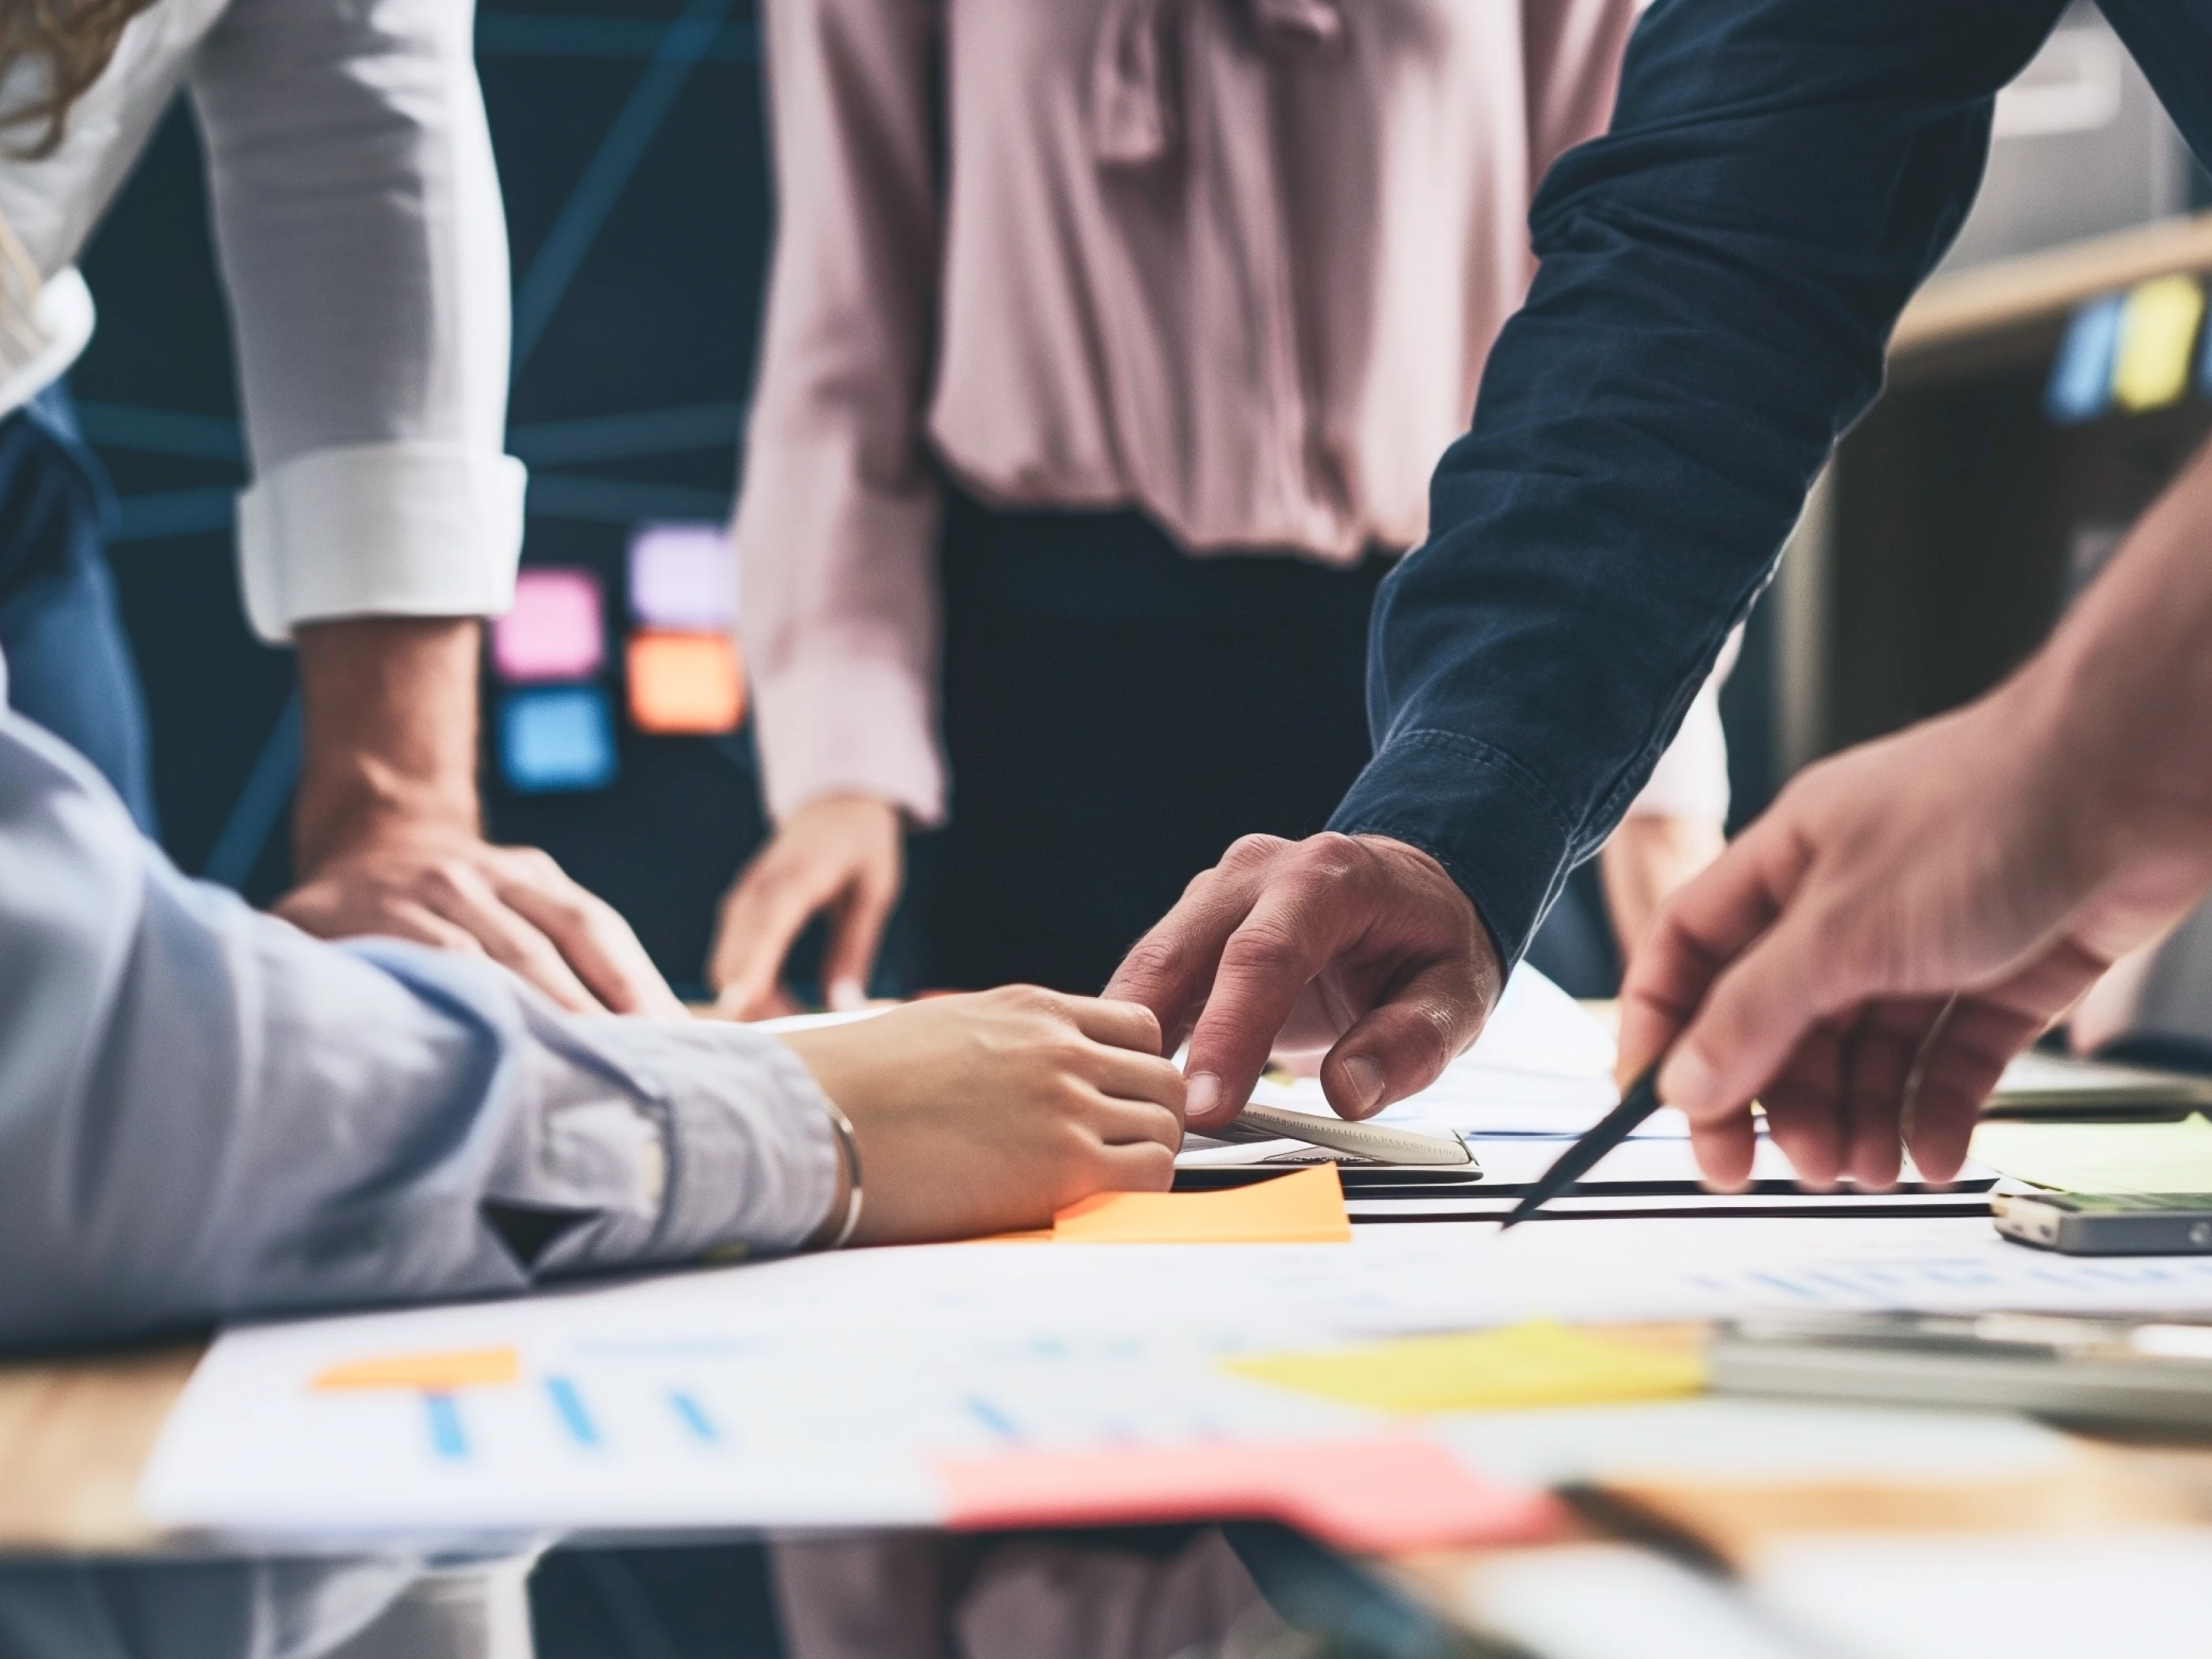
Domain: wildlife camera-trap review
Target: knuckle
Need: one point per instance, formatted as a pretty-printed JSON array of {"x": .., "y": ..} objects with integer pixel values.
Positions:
[
  {"x": 445, "y": 877},
  {"x": 1154, "y": 957},
  {"x": 532, "y": 863},
  {"x": 1248, "y": 852},
  {"x": 1330, "y": 858},
  {"x": 1261, "y": 950}
]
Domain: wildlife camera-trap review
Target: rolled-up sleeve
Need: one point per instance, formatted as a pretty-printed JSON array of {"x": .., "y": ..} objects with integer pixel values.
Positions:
[
  {"x": 205, "y": 1113},
  {"x": 1719, "y": 276},
  {"x": 363, "y": 245}
]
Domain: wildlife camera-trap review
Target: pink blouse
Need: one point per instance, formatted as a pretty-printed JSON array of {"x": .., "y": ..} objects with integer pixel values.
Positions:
[{"x": 1235, "y": 263}]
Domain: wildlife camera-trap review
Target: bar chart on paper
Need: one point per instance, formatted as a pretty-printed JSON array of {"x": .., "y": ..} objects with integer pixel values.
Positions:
[
  {"x": 656, "y": 1423},
  {"x": 1014, "y": 1385}
]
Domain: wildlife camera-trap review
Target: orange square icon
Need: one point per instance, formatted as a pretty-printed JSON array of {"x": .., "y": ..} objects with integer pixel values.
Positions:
[{"x": 685, "y": 683}]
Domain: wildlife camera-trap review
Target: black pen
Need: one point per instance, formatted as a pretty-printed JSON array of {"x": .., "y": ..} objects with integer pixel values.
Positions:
[{"x": 1609, "y": 1130}]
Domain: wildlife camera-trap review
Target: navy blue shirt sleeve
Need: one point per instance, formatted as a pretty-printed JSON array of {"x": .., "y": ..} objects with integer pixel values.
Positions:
[{"x": 1719, "y": 276}]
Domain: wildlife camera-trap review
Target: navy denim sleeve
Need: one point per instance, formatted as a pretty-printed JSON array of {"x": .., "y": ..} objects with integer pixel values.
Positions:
[{"x": 1719, "y": 276}]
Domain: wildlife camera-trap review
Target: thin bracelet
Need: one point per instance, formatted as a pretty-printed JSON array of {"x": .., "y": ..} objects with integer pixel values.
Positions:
[{"x": 849, "y": 1147}]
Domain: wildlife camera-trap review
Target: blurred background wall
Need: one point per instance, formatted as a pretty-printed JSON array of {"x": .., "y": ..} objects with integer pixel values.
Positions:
[
  {"x": 629, "y": 136},
  {"x": 631, "y": 141}
]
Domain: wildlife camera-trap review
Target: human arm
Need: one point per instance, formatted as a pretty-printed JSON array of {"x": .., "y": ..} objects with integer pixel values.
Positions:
[
  {"x": 836, "y": 519},
  {"x": 204, "y": 1112},
  {"x": 207, "y": 1113},
  {"x": 364, "y": 252},
  {"x": 1910, "y": 914},
  {"x": 389, "y": 834},
  {"x": 1719, "y": 276}
]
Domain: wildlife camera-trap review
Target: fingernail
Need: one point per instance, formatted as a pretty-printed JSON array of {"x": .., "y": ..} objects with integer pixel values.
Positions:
[
  {"x": 1366, "y": 1080},
  {"x": 847, "y": 995},
  {"x": 1200, "y": 1094},
  {"x": 1686, "y": 1081}
]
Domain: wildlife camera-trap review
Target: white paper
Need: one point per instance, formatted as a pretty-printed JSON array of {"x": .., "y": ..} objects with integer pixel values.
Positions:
[
  {"x": 1537, "y": 1027},
  {"x": 2138, "y": 1594},
  {"x": 833, "y": 1381},
  {"x": 1542, "y": 1066}
]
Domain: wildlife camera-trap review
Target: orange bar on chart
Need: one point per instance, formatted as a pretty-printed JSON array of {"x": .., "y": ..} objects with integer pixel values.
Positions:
[
  {"x": 684, "y": 684},
  {"x": 1384, "y": 1494},
  {"x": 429, "y": 1373},
  {"x": 1305, "y": 1208}
]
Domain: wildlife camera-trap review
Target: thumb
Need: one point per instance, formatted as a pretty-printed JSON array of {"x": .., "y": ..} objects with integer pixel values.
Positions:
[
  {"x": 1403, "y": 1043},
  {"x": 856, "y": 935}
]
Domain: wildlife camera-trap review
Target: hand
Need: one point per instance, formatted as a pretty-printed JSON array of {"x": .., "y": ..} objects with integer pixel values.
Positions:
[
  {"x": 983, "y": 1113},
  {"x": 451, "y": 889},
  {"x": 839, "y": 853},
  {"x": 1867, "y": 956},
  {"x": 1649, "y": 857},
  {"x": 387, "y": 831},
  {"x": 1355, "y": 944}
]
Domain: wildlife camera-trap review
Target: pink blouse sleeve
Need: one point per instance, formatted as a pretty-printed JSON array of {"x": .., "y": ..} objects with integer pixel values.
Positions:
[
  {"x": 836, "y": 522},
  {"x": 1572, "y": 61}
]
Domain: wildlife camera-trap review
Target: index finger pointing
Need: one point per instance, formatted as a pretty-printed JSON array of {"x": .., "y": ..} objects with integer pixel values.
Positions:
[
  {"x": 1170, "y": 970},
  {"x": 1700, "y": 930},
  {"x": 1294, "y": 931}
]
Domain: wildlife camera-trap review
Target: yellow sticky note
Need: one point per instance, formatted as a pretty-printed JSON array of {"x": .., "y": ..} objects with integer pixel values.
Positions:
[
  {"x": 2101, "y": 1157},
  {"x": 1305, "y": 1208},
  {"x": 1537, "y": 1363},
  {"x": 431, "y": 1373},
  {"x": 2157, "y": 326}
]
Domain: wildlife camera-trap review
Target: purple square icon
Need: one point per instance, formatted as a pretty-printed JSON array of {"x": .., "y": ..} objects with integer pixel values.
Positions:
[
  {"x": 556, "y": 630},
  {"x": 682, "y": 576}
]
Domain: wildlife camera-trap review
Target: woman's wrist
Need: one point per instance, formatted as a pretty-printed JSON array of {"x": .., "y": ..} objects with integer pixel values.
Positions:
[{"x": 842, "y": 1218}]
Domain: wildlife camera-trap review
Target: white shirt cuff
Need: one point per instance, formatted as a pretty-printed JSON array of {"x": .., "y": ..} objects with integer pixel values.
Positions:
[{"x": 406, "y": 528}]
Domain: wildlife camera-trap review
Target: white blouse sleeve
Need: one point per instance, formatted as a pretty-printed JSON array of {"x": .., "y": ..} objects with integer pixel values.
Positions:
[
  {"x": 358, "y": 220},
  {"x": 1691, "y": 778}
]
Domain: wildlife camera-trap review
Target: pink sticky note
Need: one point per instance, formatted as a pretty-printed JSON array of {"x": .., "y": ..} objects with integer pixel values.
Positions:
[
  {"x": 682, "y": 576},
  {"x": 555, "y": 632},
  {"x": 1390, "y": 1493}
]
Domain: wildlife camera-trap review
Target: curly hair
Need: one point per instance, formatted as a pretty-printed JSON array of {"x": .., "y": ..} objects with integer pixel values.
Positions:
[{"x": 73, "y": 41}]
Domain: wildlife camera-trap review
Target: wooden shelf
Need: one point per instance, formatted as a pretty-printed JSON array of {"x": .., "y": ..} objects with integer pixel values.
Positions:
[{"x": 2037, "y": 289}]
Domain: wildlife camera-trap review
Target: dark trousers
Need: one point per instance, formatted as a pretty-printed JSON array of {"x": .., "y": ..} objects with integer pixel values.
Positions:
[
  {"x": 1116, "y": 713},
  {"x": 68, "y": 663}
]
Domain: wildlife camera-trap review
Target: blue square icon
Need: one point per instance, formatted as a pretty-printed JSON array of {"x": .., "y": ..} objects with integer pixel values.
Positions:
[{"x": 557, "y": 737}]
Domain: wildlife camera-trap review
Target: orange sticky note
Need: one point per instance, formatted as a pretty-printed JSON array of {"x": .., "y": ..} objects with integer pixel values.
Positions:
[
  {"x": 1367, "y": 1496},
  {"x": 683, "y": 683},
  {"x": 431, "y": 1373},
  {"x": 1305, "y": 1208}
]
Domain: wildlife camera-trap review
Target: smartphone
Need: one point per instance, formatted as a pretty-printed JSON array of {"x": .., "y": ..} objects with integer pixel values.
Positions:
[{"x": 2107, "y": 1223}]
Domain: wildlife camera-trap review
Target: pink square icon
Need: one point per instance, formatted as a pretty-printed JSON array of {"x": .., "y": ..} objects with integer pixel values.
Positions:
[
  {"x": 682, "y": 576},
  {"x": 555, "y": 632}
]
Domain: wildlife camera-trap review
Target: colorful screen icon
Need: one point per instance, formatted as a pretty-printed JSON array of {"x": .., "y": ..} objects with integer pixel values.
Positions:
[
  {"x": 682, "y": 576},
  {"x": 556, "y": 738},
  {"x": 684, "y": 684},
  {"x": 556, "y": 630}
]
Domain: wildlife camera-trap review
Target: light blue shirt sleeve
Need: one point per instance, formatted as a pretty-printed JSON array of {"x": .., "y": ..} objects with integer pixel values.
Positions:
[{"x": 205, "y": 1113}]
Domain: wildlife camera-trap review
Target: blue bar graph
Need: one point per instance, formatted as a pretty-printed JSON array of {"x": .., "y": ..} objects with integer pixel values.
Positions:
[
  {"x": 569, "y": 1404},
  {"x": 693, "y": 1415},
  {"x": 992, "y": 1418},
  {"x": 447, "y": 1439}
]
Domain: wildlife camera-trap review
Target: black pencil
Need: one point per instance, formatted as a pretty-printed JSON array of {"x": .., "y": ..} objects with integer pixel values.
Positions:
[{"x": 1609, "y": 1130}]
